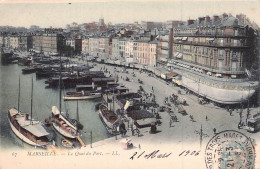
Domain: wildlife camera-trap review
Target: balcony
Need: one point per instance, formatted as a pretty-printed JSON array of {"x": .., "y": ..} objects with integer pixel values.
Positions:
[
  {"x": 219, "y": 35},
  {"x": 210, "y": 44},
  {"x": 165, "y": 48}
]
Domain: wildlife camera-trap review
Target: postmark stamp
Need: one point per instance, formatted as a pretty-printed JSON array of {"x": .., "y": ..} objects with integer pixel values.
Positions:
[{"x": 230, "y": 149}]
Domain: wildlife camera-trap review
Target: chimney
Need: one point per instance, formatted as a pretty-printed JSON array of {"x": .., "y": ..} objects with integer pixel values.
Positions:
[
  {"x": 207, "y": 19},
  {"x": 190, "y": 21},
  {"x": 215, "y": 18},
  {"x": 201, "y": 19}
]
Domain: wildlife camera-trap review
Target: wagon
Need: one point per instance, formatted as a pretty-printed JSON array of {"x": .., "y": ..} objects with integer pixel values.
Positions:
[{"x": 181, "y": 110}]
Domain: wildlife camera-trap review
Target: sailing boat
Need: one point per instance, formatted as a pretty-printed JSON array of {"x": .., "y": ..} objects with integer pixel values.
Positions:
[
  {"x": 25, "y": 127},
  {"x": 108, "y": 117},
  {"x": 64, "y": 125}
]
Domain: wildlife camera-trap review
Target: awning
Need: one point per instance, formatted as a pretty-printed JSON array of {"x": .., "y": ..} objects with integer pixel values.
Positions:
[
  {"x": 37, "y": 130},
  {"x": 176, "y": 54},
  {"x": 172, "y": 74},
  {"x": 179, "y": 55},
  {"x": 184, "y": 38},
  {"x": 164, "y": 59}
]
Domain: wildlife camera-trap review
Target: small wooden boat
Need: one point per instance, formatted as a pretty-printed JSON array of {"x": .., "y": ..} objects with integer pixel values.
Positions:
[
  {"x": 63, "y": 125},
  {"x": 66, "y": 143},
  {"x": 81, "y": 95},
  {"x": 47, "y": 122},
  {"x": 29, "y": 70}
]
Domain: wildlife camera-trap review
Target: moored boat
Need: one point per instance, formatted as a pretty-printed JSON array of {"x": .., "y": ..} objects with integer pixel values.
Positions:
[
  {"x": 63, "y": 125},
  {"x": 28, "y": 130},
  {"x": 81, "y": 95},
  {"x": 109, "y": 118},
  {"x": 66, "y": 143},
  {"x": 29, "y": 70}
]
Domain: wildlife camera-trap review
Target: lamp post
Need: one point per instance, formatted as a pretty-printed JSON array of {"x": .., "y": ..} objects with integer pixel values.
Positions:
[{"x": 201, "y": 134}]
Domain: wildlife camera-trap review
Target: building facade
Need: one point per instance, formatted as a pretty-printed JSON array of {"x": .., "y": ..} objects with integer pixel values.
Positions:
[
  {"x": 85, "y": 46},
  {"x": 48, "y": 43},
  {"x": 104, "y": 47},
  {"x": 71, "y": 43},
  {"x": 14, "y": 42},
  {"x": 115, "y": 48},
  {"x": 25, "y": 42},
  {"x": 218, "y": 44},
  {"x": 147, "y": 25},
  {"x": 93, "y": 46}
]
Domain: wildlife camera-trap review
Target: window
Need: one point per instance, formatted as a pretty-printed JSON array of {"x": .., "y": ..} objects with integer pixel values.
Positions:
[
  {"x": 236, "y": 32},
  {"x": 235, "y": 42}
]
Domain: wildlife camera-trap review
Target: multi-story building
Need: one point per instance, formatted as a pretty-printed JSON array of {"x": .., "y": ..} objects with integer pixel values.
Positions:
[
  {"x": 7, "y": 41},
  {"x": 2, "y": 35},
  {"x": 145, "y": 52},
  {"x": 104, "y": 46},
  {"x": 25, "y": 42},
  {"x": 141, "y": 51},
  {"x": 130, "y": 47},
  {"x": 78, "y": 45},
  {"x": 71, "y": 43},
  {"x": 173, "y": 24},
  {"x": 14, "y": 42},
  {"x": 122, "y": 48},
  {"x": 146, "y": 25},
  {"x": 218, "y": 45},
  {"x": 209, "y": 55},
  {"x": 85, "y": 46},
  {"x": 48, "y": 43},
  {"x": 166, "y": 40},
  {"x": 94, "y": 46},
  {"x": 115, "y": 48}
]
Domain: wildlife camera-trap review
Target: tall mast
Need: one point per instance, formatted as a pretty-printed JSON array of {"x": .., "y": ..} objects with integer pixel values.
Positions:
[
  {"x": 19, "y": 95},
  {"x": 60, "y": 86},
  {"x": 31, "y": 99},
  {"x": 113, "y": 101},
  {"x": 77, "y": 111}
]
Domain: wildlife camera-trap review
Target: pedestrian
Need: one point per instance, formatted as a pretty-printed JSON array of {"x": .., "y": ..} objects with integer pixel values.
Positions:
[
  {"x": 230, "y": 112},
  {"x": 206, "y": 118},
  {"x": 139, "y": 147},
  {"x": 239, "y": 125},
  {"x": 132, "y": 130},
  {"x": 214, "y": 130}
]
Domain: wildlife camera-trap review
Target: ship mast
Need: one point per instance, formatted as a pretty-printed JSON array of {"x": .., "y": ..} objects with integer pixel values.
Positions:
[
  {"x": 60, "y": 86},
  {"x": 77, "y": 110},
  {"x": 19, "y": 96},
  {"x": 31, "y": 100}
]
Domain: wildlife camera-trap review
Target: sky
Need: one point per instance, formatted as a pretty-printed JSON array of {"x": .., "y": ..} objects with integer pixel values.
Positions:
[{"x": 60, "y": 13}]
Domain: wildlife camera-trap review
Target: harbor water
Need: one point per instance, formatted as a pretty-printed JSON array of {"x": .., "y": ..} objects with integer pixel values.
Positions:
[{"x": 43, "y": 99}]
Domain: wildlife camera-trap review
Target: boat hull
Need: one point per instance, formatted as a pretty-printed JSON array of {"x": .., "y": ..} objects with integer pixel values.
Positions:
[
  {"x": 109, "y": 126},
  {"x": 95, "y": 96},
  {"x": 62, "y": 132},
  {"x": 22, "y": 137}
]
